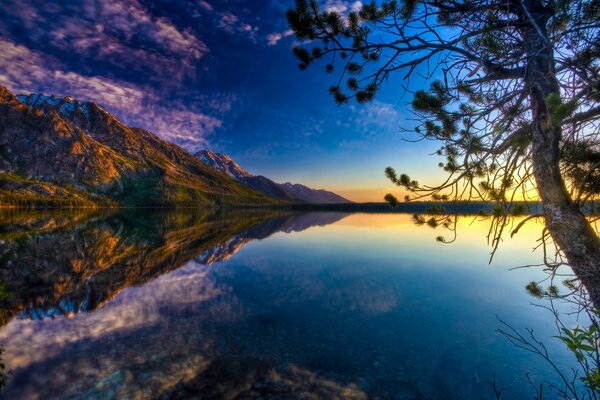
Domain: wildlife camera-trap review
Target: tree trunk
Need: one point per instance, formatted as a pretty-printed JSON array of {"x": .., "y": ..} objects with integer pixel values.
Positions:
[{"x": 565, "y": 221}]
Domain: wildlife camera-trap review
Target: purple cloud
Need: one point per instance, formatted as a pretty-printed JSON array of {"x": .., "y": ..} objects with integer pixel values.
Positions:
[
  {"x": 231, "y": 23},
  {"x": 134, "y": 104},
  {"x": 275, "y": 37},
  {"x": 341, "y": 6},
  {"x": 117, "y": 32},
  {"x": 205, "y": 5}
]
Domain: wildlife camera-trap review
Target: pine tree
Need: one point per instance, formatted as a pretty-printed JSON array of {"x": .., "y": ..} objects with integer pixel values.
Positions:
[{"x": 514, "y": 99}]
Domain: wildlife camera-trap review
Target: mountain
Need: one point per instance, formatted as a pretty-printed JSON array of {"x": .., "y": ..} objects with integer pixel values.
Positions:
[
  {"x": 226, "y": 164},
  {"x": 61, "y": 150},
  {"x": 223, "y": 163},
  {"x": 268, "y": 187},
  {"x": 286, "y": 191},
  {"x": 318, "y": 196}
]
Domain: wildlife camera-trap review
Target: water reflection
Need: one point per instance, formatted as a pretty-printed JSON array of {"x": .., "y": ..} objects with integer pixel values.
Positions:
[
  {"x": 366, "y": 306},
  {"x": 61, "y": 263}
]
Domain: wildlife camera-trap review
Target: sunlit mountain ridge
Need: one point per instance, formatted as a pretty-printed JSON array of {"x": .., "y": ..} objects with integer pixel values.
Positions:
[{"x": 61, "y": 151}]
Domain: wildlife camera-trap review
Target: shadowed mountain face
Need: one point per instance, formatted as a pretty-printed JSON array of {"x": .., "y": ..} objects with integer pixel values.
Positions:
[
  {"x": 268, "y": 187},
  {"x": 61, "y": 148},
  {"x": 281, "y": 191},
  {"x": 317, "y": 196},
  {"x": 64, "y": 263}
]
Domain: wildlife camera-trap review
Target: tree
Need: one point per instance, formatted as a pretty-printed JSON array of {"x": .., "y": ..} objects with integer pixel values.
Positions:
[{"x": 514, "y": 99}]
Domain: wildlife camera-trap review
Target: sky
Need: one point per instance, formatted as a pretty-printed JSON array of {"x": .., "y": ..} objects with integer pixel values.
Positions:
[{"x": 214, "y": 74}]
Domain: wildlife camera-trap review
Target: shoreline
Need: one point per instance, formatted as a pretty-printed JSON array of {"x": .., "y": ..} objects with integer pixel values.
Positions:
[{"x": 419, "y": 207}]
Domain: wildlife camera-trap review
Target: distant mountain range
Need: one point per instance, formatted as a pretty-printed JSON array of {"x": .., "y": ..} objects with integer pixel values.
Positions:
[
  {"x": 282, "y": 191},
  {"x": 61, "y": 152},
  {"x": 318, "y": 196}
]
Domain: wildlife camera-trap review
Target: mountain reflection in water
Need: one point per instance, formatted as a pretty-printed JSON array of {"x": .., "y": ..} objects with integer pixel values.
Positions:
[
  {"x": 56, "y": 264},
  {"x": 153, "y": 305}
]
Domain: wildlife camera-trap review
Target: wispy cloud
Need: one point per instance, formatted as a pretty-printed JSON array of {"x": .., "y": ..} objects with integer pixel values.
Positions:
[
  {"x": 275, "y": 37},
  {"x": 207, "y": 6},
  {"x": 373, "y": 118},
  {"x": 122, "y": 33},
  {"x": 341, "y": 6},
  {"x": 370, "y": 123},
  {"x": 184, "y": 127},
  {"x": 231, "y": 23},
  {"x": 136, "y": 105},
  {"x": 379, "y": 115}
]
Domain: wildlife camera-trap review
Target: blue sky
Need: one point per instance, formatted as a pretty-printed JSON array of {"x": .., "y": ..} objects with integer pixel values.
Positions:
[{"x": 212, "y": 74}]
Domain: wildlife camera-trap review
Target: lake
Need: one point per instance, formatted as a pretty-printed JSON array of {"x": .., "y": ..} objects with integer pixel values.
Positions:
[{"x": 270, "y": 304}]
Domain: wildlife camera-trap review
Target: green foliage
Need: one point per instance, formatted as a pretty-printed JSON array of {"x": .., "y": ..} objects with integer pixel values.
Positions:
[
  {"x": 404, "y": 180},
  {"x": 582, "y": 162},
  {"x": 354, "y": 68},
  {"x": 18, "y": 190},
  {"x": 391, "y": 174},
  {"x": 518, "y": 209},
  {"x": 391, "y": 199},
  {"x": 521, "y": 137},
  {"x": 338, "y": 95},
  {"x": 431, "y": 101},
  {"x": 559, "y": 110},
  {"x": 141, "y": 190},
  {"x": 366, "y": 95},
  {"x": 423, "y": 101},
  {"x": 583, "y": 342},
  {"x": 152, "y": 189},
  {"x": 309, "y": 22},
  {"x": 3, "y": 292},
  {"x": 499, "y": 210},
  {"x": 408, "y": 8},
  {"x": 352, "y": 83},
  {"x": 534, "y": 289},
  {"x": 418, "y": 219},
  {"x": 302, "y": 55}
]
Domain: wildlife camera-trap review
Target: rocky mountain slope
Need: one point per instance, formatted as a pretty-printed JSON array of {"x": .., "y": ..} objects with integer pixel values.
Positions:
[
  {"x": 223, "y": 163},
  {"x": 60, "y": 149},
  {"x": 286, "y": 191}
]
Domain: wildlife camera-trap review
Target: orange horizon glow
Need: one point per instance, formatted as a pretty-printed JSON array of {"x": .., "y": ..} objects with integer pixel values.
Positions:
[{"x": 376, "y": 195}]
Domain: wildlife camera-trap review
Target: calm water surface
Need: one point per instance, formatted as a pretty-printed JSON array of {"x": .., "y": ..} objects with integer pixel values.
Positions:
[{"x": 271, "y": 305}]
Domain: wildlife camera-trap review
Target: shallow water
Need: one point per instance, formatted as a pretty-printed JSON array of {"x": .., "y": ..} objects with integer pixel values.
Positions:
[{"x": 244, "y": 305}]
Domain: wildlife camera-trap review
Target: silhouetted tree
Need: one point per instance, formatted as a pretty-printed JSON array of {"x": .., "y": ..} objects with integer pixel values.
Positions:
[{"x": 514, "y": 99}]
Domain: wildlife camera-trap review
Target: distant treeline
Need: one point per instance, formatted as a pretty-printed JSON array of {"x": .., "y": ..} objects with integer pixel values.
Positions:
[
  {"x": 418, "y": 207},
  {"x": 462, "y": 207}
]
